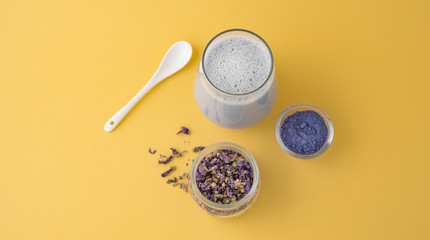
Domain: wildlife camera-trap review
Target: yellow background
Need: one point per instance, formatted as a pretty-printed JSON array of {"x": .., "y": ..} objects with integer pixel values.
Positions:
[{"x": 67, "y": 66}]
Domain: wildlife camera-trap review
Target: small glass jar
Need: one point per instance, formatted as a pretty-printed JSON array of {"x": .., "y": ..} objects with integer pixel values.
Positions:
[
  {"x": 224, "y": 210},
  {"x": 304, "y": 107}
]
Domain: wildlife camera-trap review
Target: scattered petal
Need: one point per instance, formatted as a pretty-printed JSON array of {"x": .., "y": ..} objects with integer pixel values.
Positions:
[
  {"x": 168, "y": 171},
  {"x": 183, "y": 175},
  {"x": 152, "y": 152},
  {"x": 173, "y": 180},
  {"x": 165, "y": 161},
  {"x": 176, "y": 153},
  {"x": 184, "y": 130},
  {"x": 198, "y": 149}
]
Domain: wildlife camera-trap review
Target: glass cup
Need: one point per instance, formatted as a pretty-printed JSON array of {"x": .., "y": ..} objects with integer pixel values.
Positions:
[{"x": 235, "y": 110}]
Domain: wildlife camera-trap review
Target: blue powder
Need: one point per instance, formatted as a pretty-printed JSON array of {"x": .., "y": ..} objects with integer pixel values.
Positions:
[{"x": 304, "y": 132}]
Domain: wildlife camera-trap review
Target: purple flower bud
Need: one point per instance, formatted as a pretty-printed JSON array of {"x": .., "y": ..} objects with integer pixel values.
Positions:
[
  {"x": 168, "y": 171},
  {"x": 184, "y": 130},
  {"x": 166, "y": 161},
  {"x": 198, "y": 149},
  {"x": 223, "y": 177},
  {"x": 225, "y": 158}
]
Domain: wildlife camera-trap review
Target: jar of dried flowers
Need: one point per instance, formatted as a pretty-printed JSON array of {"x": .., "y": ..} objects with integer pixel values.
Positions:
[{"x": 224, "y": 179}]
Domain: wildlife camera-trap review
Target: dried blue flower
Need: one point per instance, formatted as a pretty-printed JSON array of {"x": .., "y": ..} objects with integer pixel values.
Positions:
[
  {"x": 183, "y": 175},
  {"x": 184, "y": 130},
  {"x": 224, "y": 176},
  {"x": 225, "y": 158},
  {"x": 165, "y": 161},
  {"x": 173, "y": 180},
  {"x": 183, "y": 186},
  {"x": 198, "y": 149},
  {"x": 152, "y": 152},
  {"x": 176, "y": 153},
  {"x": 175, "y": 184},
  {"x": 168, "y": 171}
]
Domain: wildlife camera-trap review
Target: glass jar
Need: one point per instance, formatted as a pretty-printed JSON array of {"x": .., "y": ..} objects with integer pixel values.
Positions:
[
  {"x": 304, "y": 107},
  {"x": 217, "y": 209}
]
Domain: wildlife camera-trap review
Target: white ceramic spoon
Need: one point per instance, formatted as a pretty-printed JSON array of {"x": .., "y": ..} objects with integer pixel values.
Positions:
[{"x": 176, "y": 58}]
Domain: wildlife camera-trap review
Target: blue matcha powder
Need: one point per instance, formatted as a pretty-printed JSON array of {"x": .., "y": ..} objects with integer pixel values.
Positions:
[{"x": 304, "y": 132}]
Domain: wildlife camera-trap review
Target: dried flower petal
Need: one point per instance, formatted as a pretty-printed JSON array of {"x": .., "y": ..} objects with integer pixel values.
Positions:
[
  {"x": 175, "y": 184},
  {"x": 176, "y": 153},
  {"x": 152, "y": 152},
  {"x": 224, "y": 176},
  {"x": 168, "y": 171},
  {"x": 198, "y": 149},
  {"x": 184, "y": 130},
  {"x": 173, "y": 180},
  {"x": 183, "y": 175},
  {"x": 165, "y": 161},
  {"x": 225, "y": 158}
]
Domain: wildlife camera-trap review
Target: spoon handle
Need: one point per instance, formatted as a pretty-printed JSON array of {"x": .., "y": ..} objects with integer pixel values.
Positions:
[{"x": 116, "y": 119}]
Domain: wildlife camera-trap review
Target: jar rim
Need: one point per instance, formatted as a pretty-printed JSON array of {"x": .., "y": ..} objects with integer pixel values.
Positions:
[{"x": 228, "y": 146}]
